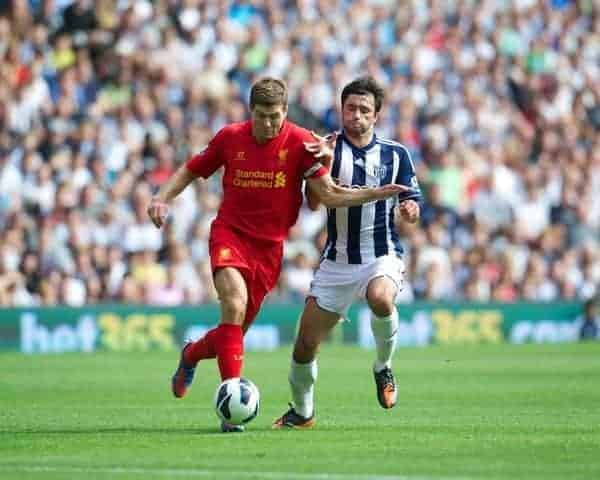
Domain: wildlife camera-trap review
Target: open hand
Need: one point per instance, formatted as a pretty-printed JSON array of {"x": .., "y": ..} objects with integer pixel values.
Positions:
[
  {"x": 323, "y": 147},
  {"x": 158, "y": 212},
  {"x": 389, "y": 190}
]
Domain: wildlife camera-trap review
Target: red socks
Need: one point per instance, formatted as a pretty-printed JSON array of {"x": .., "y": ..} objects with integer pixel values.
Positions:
[
  {"x": 226, "y": 342},
  {"x": 230, "y": 350},
  {"x": 203, "y": 348}
]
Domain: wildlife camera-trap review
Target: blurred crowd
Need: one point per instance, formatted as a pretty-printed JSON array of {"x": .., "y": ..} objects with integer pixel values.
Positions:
[{"x": 100, "y": 101}]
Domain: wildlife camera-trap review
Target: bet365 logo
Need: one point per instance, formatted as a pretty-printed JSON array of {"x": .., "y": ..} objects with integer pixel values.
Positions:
[{"x": 280, "y": 180}]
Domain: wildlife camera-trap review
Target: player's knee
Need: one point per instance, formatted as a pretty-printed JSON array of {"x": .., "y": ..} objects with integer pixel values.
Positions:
[
  {"x": 234, "y": 304},
  {"x": 381, "y": 305},
  {"x": 381, "y": 294}
]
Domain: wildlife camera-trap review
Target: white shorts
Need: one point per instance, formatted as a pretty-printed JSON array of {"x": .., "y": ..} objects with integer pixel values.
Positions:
[{"x": 337, "y": 285}]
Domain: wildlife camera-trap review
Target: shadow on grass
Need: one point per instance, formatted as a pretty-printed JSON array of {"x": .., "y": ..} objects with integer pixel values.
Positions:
[
  {"x": 112, "y": 430},
  {"x": 215, "y": 430}
]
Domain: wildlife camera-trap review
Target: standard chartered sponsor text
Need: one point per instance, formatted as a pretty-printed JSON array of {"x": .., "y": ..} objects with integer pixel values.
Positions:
[
  {"x": 254, "y": 174},
  {"x": 258, "y": 179}
]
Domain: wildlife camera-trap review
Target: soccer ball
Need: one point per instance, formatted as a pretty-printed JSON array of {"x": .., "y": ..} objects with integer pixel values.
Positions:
[{"x": 237, "y": 401}]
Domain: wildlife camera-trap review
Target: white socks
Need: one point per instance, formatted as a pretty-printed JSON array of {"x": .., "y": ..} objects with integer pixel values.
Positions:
[
  {"x": 303, "y": 376},
  {"x": 385, "y": 331},
  {"x": 302, "y": 379}
]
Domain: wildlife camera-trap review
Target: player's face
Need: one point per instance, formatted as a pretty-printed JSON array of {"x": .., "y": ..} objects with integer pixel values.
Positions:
[
  {"x": 358, "y": 114},
  {"x": 267, "y": 121}
]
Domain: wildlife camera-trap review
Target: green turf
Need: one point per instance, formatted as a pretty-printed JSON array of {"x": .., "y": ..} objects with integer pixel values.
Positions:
[{"x": 530, "y": 412}]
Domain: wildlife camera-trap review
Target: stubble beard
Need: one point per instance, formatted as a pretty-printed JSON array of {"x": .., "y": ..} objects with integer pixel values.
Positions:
[{"x": 358, "y": 131}]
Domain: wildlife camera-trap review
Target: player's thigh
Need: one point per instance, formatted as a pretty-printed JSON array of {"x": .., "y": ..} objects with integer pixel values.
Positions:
[
  {"x": 315, "y": 324},
  {"x": 335, "y": 287},
  {"x": 257, "y": 291},
  {"x": 231, "y": 288},
  {"x": 381, "y": 292},
  {"x": 265, "y": 262}
]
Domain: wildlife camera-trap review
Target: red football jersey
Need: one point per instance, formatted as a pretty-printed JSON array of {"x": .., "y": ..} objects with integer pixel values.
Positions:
[{"x": 262, "y": 183}]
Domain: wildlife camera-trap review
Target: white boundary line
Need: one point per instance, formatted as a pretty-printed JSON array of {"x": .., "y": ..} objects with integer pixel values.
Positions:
[{"x": 212, "y": 473}]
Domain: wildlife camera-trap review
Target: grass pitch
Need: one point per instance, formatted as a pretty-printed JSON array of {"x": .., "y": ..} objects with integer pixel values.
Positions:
[{"x": 530, "y": 412}]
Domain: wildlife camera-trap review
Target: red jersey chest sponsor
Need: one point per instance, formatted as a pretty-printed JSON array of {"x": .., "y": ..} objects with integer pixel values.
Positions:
[
  {"x": 262, "y": 185},
  {"x": 266, "y": 170},
  {"x": 273, "y": 166}
]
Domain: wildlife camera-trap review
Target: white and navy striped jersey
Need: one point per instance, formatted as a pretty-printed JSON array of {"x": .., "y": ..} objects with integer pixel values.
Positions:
[{"x": 361, "y": 234}]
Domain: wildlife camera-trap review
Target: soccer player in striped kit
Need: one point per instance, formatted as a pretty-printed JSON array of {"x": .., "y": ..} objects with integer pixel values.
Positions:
[{"x": 362, "y": 258}]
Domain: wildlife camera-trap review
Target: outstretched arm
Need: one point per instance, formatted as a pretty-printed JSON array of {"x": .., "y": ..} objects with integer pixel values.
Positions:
[
  {"x": 204, "y": 164},
  {"x": 159, "y": 206},
  {"x": 334, "y": 196},
  {"x": 312, "y": 199}
]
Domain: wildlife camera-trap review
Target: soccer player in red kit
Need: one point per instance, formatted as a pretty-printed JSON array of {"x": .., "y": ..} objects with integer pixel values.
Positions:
[{"x": 265, "y": 163}]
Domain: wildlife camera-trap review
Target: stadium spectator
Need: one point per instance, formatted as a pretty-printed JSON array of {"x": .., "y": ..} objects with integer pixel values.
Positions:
[
  {"x": 589, "y": 321},
  {"x": 497, "y": 102}
]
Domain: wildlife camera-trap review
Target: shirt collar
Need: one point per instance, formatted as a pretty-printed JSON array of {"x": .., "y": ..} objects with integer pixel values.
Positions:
[{"x": 359, "y": 151}]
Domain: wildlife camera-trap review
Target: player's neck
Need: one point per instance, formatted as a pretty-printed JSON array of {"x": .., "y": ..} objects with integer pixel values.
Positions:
[
  {"x": 360, "y": 141},
  {"x": 262, "y": 140}
]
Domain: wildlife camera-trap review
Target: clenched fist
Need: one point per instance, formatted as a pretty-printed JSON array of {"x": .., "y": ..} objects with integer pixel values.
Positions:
[
  {"x": 409, "y": 211},
  {"x": 158, "y": 212}
]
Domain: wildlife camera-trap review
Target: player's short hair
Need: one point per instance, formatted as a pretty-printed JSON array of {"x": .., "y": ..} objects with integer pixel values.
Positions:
[
  {"x": 268, "y": 91},
  {"x": 364, "y": 86}
]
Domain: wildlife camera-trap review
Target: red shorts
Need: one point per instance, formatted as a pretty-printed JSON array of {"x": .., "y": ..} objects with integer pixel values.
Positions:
[{"x": 258, "y": 260}]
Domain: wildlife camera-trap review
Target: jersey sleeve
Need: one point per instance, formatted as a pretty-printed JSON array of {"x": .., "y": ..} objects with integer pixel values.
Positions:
[
  {"x": 407, "y": 176},
  {"x": 310, "y": 166},
  {"x": 209, "y": 160},
  {"x": 316, "y": 170}
]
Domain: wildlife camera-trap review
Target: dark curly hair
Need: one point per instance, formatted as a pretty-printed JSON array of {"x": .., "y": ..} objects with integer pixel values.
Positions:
[{"x": 364, "y": 86}]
